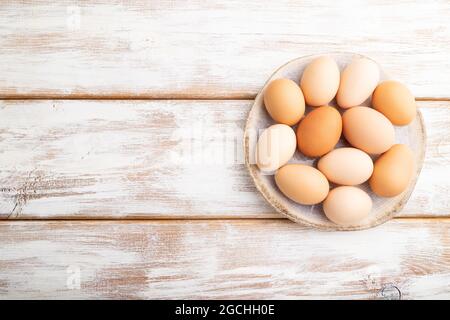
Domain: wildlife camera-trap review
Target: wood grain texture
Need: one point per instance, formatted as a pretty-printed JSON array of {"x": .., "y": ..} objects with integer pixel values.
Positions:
[
  {"x": 172, "y": 159},
  {"x": 168, "y": 49},
  {"x": 236, "y": 259},
  {"x": 158, "y": 159}
]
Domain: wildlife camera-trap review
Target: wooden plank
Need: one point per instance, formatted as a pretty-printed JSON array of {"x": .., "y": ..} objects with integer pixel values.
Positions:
[
  {"x": 167, "y": 49},
  {"x": 405, "y": 258},
  {"x": 157, "y": 159}
]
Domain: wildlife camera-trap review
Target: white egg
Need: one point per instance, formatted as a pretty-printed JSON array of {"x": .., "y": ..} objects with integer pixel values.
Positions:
[{"x": 276, "y": 146}]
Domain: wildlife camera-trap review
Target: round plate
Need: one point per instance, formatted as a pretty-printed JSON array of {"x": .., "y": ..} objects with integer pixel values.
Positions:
[{"x": 383, "y": 209}]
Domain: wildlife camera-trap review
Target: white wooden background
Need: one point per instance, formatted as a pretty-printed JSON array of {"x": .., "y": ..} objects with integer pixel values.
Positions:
[{"x": 96, "y": 101}]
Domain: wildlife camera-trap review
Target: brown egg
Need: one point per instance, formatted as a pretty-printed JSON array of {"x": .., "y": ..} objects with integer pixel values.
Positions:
[
  {"x": 347, "y": 205},
  {"x": 392, "y": 171},
  {"x": 284, "y": 101},
  {"x": 368, "y": 130},
  {"x": 320, "y": 81},
  {"x": 302, "y": 183},
  {"x": 395, "y": 101},
  {"x": 319, "y": 131}
]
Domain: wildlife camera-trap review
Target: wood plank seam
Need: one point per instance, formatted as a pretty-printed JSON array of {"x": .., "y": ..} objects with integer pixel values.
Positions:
[
  {"x": 198, "y": 218},
  {"x": 27, "y": 97}
]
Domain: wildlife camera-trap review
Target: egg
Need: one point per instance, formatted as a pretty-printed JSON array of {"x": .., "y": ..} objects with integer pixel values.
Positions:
[
  {"x": 347, "y": 205},
  {"x": 284, "y": 101},
  {"x": 393, "y": 171},
  {"x": 319, "y": 131},
  {"x": 395, "y": 101},
  {"x": 320, "y": 81},
  {"x": 346, "y": 166},
  {"x": 358, "y": 80},
  {"x": 302, "y": 183},
  {"x": 276, "y": 145},
  {"x": 368, "y": 130}
]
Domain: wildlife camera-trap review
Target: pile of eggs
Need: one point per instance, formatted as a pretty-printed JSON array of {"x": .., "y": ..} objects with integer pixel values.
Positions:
[{"x": 372, "y": 154}]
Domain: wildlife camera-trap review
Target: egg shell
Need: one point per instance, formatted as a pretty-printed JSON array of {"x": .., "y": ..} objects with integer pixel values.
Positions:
[
  {"x": 346, "y": 166},
  {"x": 276, "y": 145},
  {"x": 368, "y": 130},
  {"x": 319, "y": 131},
  {"x": 393, "y": 171},
  {"x": 347, "y": 205},
  {"x": 320, "y": 81},
  {"x": 284, "y": 101},
  {"x": 358, "y": 80},
  {"x": 395, "y": 101},
  {"x": 301, "y": 183}
]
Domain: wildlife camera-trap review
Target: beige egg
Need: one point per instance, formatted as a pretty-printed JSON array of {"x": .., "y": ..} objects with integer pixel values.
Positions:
[
  {"x": 358, "y": 80},
  {"x": 346, "y": 166},
  {"x": 368, "y": 130},
  {"x": 320, "y": 81},
  {"x": 395, "y": 101},
  {"x": 284, "y": 101},
  {"x": 302, "y": 183},
  {"x": 393, "y": 171},
  {"x": 347, "y": 205},
  {"x": 276, "y": 145}
]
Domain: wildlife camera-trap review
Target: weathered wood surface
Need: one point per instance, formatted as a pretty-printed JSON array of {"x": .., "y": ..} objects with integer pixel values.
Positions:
[
  {"x": 90, "y": 159},
  {"x": 404, "y": 258},
  {"x": 158, "y": 159},
  {"x": 115, "y": 48}
]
